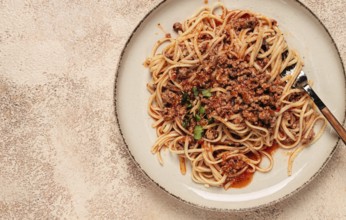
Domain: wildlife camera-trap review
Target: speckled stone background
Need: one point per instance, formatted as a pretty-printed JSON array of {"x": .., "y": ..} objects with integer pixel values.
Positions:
[{"x": 61, "y": 155}]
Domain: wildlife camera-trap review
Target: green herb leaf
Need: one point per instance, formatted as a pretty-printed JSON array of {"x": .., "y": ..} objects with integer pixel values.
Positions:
[
  {"x": 185, "y": 123},
  {"x": 201, "y": 110},
  {"x": 189, "y": 106},
  {"x": 195, "y": 91},
  {"x": 197, "y": 117},
  {"x": 211, "y": 120},
  {"x": 206, "y": 93},
  {"x": 185, "y": 98},
  {"x": 197, "y": 132}
]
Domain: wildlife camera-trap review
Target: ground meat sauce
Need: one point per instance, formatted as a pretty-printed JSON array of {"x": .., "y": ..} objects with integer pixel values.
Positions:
[
  {"x": 177, "y": 27},
  {"x": 234, "y": 165},
  {"x": 172, "y": 107},
  {"x": 249, "y": 92},
  {"x": 244, "y": 22}
]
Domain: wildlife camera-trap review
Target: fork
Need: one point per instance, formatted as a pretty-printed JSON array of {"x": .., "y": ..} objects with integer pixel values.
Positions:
[{"x": 301, "y": 82}]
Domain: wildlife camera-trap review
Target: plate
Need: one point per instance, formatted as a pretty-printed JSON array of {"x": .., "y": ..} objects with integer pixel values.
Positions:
[{"x": 303, "y": 32}]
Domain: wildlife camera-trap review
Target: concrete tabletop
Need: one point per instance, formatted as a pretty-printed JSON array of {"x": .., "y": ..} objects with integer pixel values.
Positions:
[{"x": 61, "y": 154}]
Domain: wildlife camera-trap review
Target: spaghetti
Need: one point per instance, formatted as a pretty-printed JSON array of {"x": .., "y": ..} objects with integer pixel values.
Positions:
[{"x": 218, "y": 100}]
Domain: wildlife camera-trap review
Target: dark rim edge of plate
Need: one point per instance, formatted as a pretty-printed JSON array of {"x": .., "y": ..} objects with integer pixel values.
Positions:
[{"x": 206, "y": 207}]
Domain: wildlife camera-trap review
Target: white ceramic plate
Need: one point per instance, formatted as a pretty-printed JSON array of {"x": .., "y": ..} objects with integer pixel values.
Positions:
[{"x": 323, "y": 65}]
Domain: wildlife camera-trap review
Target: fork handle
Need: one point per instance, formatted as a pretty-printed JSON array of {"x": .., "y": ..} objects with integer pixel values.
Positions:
[
  {"x": 327, "y": 113},
  {"x": 335, "y": 123}
]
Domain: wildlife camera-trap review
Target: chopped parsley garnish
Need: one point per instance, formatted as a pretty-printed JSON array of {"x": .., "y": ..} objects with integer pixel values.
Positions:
[
  {"x": 197, "y": 117},
  {"x": 197, "y": 132},
  {"x": 211, "y": 120},
  {"x": 185, "y": 123},
  {"x": 185, "y": 99},
  {"x": 195, "y": 91},
  {"x": 201, "y": 110},
  {"x": 206, "y": 93}
]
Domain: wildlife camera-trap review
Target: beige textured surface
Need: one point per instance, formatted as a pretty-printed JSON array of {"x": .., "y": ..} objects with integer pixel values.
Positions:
[{"x": 61, "y": 154}]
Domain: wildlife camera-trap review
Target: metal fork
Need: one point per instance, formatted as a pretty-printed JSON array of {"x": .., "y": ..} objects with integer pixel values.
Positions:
[{"x": 301, "y": 82}]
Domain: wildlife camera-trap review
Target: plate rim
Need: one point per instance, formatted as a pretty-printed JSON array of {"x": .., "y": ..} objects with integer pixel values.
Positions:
[{"x": 115, "y": 93}]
